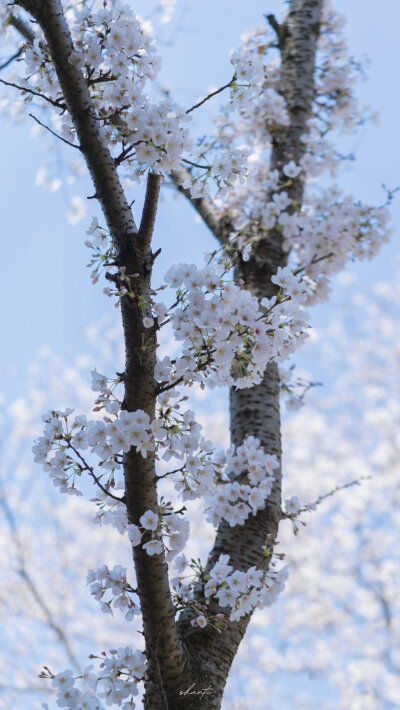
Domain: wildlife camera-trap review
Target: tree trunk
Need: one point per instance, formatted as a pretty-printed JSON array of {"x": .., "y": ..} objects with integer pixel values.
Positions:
[{"x": 255, "y": 411}]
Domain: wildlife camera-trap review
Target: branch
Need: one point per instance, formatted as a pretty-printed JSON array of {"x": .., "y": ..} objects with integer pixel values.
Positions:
[
  {"x": 11, "y": 59},
  {"x": 170, "y": 386},
  {"x": 89, "y": 469},
  {"x": 149, "y": 209},
  {"x": 311, "y": 506},
  {"x": 217, "y": 224},
  {"x": 213, "y": 93},
  {"x": 280, "y": 30},
  {"x": 314, "y": 260},
  {"x": 57, "y": 104},
  {"x": 341, "y": 488},
  {"x": 274, "y": 24},
  {"x": 196, "y": 165},
  {"x": 64, "y": 140},
  {"x": 21, "y": 27},
  {"x": 28, "y": 579},
  {"x": 170, "y": 473}
]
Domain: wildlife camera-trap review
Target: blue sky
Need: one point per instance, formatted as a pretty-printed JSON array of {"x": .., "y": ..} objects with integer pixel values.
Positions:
[{"x": 46, "y": 294}]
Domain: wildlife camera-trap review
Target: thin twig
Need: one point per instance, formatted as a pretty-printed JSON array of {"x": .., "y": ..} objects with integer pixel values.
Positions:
[
  {"x": 326, "y": 495},
  {"x": 64, "y": 140},
  {"x": 196, "y": 165},
  {"x": 280, "y": 30},
  {"x": 34, "y": 93},
  {"x": 341, "y": 488},
  {"x": 91, "y": 473},
  {"x": 11, "y": 59},
  {"x": 217, "y": 223},
  {"x": 170, "y": 386},
  {"x": 274, "y": 24},
  {"x": 313, "y": 261},
  {"x": 213, "y": 93},
  {"x": 25, "y": 575},
  {"x": 169, "y": 473}
]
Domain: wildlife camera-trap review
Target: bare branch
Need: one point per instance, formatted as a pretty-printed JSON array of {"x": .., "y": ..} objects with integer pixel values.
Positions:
[
  {"x": 213, "y": 93},
  {"x": 29, "y": 581},
  {"x": 217, "y": 224},
  {"x": 26, "y": 89},
  {"x": 64, "y": 140},
  {"x": 11, "y": 59},
  {"x": 274, "y": 24},
  {"x": 356, "y": 482}
]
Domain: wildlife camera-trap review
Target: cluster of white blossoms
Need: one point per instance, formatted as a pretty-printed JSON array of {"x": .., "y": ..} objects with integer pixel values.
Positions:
[
  {"x": 164, "y": 531},
  {"x": 225, "y": 163},
  {"x": 169, "y": 532},
  {"x": 235, "y": 501},
  {"x": 242, "y": 591},
  {"x": 116, "y": 54},
  {"x": 113, "y": 583},
  {"x": 174, "y": 434},
  {"x": 227, "y": 336},
  {"x": 249, "y": 73},
  {"x": 59, "y": 451},
  {"x": 115, "y": 683},
  {"x": 330, "y": 227},
  {"x": 223, "y": 155}
]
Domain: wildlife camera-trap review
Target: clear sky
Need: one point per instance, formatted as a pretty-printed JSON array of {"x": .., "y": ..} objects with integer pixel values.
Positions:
[{"x": 46, "y": 294}]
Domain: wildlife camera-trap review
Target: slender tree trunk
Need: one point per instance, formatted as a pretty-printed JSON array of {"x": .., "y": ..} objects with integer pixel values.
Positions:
[{"x": 255, "y": 411}]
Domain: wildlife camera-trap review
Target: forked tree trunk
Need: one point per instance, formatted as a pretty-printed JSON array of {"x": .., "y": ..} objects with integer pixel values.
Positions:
[{"x": 188, "y": 668}]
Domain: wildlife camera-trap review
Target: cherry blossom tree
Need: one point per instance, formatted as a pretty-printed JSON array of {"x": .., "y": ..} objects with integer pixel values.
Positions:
[
  {"x": 305, "y": 650},
  {"x": 232, "y": 320}
]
